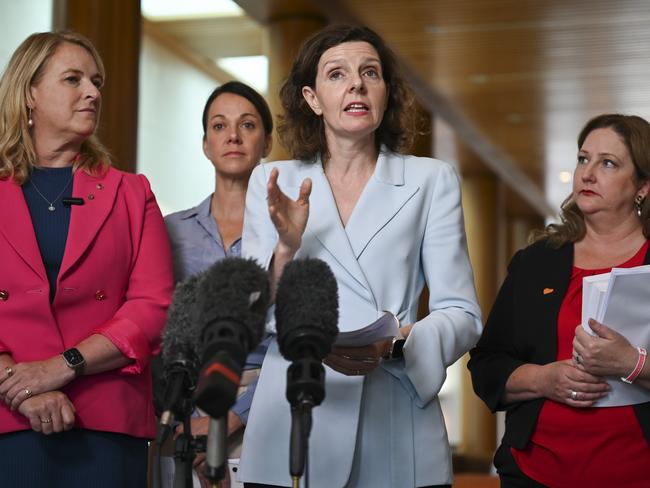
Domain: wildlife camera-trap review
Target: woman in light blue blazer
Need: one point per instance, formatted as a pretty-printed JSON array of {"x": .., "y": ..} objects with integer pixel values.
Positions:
[{"x": 386, "y": 224}]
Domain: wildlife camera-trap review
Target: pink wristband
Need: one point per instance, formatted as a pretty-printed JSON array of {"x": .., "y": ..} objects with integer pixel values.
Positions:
[{"x": 643, "y": 354}]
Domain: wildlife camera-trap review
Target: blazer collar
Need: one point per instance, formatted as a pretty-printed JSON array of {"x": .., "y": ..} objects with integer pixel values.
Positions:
[
  {"x": 16, "y": 225},
  {"x": 99, "y": 194},
  {"x": 383, "y": 197}
]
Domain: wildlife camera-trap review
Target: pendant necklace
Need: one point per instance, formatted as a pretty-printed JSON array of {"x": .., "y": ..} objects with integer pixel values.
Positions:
[{"x": 51, "y": 206}]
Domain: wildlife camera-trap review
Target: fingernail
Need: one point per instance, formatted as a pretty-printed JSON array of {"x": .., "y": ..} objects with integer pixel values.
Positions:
[{"x": 591, "y": 322}]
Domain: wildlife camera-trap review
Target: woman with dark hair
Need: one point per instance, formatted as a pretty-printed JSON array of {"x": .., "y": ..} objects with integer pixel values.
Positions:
[
  {"x": 386, "y": 224},
  {"x": 535, "y": 362},
  {"x": 237, "y": 134},
  {"x": 85, "y": 283}
]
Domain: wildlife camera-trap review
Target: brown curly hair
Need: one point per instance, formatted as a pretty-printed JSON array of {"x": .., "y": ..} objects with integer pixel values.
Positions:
[
  {"x": 302, "y": 132},
  {"x": 635, "y": 133}
]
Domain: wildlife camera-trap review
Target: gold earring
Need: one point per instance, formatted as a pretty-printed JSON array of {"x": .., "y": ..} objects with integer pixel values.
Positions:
[
  {"x": 30, "y": 121},
  {"x": 638, "y": 203}
]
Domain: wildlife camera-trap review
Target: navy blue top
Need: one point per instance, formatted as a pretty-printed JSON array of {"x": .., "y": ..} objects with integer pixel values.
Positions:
[{"x": 50, "y": 227}]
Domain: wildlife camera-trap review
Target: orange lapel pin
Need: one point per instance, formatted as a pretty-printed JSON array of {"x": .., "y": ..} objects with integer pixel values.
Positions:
[{"x": 548, "y": 290}]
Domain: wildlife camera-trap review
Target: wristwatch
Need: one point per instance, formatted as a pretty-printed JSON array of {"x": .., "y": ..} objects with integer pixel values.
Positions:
[
  {"x": 74, "y": 360},
  {"x": 396, "y": 348}
]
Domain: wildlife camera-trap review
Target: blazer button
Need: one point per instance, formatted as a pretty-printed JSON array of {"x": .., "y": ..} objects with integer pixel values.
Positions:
[
  {"x": 4, "y": 295},
  {"x": 100, "y": 295}
]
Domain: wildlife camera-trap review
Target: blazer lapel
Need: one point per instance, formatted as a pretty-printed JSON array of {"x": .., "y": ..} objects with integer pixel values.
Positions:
[
  {"x": 554, "y": 269},
  {"x": 326, "y": 226},
  {"x": 16, "y": 225},
  {"x": 383, "y": 197},
  {"x": 99, "y": 194}
]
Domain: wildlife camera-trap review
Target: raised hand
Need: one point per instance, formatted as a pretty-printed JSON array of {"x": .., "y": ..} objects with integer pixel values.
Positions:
[{"x": 289, "y": 216}]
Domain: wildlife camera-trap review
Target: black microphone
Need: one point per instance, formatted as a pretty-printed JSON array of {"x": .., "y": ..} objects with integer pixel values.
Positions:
[
  {"x": 306, "y": 313},
  {"x": 179, "y": 354},
  {"x": 232, "y": 304},
  {"x": 69, "y": 201}
]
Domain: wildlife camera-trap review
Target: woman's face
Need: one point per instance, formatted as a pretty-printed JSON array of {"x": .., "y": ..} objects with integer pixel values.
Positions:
[
  {"x": 350, "y": 93},
  {"x": 66, "y": 101},
  {"x": 605, "y": 179},
  {"x": 235, "y": 141}
]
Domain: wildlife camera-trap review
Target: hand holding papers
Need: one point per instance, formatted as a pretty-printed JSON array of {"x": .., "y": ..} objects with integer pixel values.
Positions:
[
  {"x": 385, "y": 326},
  {"x": 620, "y": 300}
]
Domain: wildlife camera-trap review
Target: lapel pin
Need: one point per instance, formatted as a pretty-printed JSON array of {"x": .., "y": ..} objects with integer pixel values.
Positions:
[{"x": 548, "y": 291}]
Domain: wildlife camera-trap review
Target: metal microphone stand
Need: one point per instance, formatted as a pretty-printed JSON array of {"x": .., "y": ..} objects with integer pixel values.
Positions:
[{"x": 305, "y": 390}]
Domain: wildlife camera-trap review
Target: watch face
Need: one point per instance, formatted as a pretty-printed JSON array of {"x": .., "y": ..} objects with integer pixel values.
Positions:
[
  {"x": 73, "y": 357},
  {"x": 398, "y": 349}
]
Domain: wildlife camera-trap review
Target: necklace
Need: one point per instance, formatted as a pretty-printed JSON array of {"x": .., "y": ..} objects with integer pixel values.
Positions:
[{"x": 51, "y": 206}]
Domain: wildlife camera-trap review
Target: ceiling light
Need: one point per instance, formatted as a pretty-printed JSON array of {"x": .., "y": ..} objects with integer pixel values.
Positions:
[
  {"x": 173, "y": 9},
  {"x": 565, "y": 176}
]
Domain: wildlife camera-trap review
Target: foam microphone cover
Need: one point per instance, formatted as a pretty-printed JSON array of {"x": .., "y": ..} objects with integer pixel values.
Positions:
[
  {"x": 233, "y": 291},
  {"x": 306, "y": 309},
  {"x": 180, "y": 337}
]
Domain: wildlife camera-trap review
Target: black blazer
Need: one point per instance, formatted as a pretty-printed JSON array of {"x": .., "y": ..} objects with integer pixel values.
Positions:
[{"x": 522, "y": 328}]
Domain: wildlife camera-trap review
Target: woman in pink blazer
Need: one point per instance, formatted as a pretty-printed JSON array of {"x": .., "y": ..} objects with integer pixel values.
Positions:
[{"x": 85, "y": 280}]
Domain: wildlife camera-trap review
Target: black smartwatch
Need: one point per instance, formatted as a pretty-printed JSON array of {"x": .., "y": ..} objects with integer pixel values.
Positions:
[
  {"x": 396, "y": 348},
  {"x": 74, "y": 360}
]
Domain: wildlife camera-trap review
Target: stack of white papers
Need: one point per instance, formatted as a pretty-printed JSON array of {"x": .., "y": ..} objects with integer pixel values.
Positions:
[
  {"x": 620, "y": 300},
  {"x": 385, "y": 326}
]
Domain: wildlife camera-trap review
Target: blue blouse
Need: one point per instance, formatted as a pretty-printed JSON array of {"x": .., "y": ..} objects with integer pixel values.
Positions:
[{"x": 197, "y": 245}]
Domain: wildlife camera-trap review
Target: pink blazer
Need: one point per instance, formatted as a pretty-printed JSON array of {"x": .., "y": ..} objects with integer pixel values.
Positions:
[{"x": 115, "y": 280}]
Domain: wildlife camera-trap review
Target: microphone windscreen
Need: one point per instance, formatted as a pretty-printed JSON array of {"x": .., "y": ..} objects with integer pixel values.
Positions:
[
  {"x": 234, "y": 290},
  {"x": 216, "y": 389},
  {"x": 306, "y": 306},
  {"x": 180, "y": 337}
]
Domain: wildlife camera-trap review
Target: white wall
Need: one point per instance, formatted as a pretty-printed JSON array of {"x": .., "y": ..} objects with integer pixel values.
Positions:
[
  {"x": 170, "y": 154},
  {"x": 19, "y": 19}
]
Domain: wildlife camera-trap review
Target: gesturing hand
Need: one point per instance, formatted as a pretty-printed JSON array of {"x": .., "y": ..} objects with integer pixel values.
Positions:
[
  {"x": 562, "y": 382},
  {"x": 289, "y": 216}
]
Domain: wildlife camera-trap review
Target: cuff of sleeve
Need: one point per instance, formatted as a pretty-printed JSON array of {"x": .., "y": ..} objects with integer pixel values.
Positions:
[
  {"x": 243, "y": 405},
  {"x": 131, "y": 342}
]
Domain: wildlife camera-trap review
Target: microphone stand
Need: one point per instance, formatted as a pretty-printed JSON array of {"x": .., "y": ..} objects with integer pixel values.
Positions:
[
  {"x": 184, "y": 449},
  {"x": 305, "y": 390}
]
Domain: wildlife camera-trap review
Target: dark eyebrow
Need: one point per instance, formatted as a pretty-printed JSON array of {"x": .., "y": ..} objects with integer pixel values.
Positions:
[{"x": 246, "y": 114}]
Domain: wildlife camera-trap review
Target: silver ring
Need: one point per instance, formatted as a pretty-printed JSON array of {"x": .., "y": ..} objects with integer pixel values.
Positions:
[
  {"x": 10, "y": 371},
  {"x": 578, "y": 358},
  {"x": 46, "y": 421},
  {"x": 28, "y": 392},
  {"x": 574, "y": 395}
]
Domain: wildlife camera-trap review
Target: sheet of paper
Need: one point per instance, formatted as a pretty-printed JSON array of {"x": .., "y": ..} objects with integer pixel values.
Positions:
[
  {"x": 626, "y": 309},
  {"x": 385, "y": 326},
  {"x": 594, "y": 289}
]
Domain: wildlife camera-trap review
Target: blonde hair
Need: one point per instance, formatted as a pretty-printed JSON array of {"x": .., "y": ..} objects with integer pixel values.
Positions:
[
  {"x": 635, "y": 134},
  {"x": 25, "y": 69}
]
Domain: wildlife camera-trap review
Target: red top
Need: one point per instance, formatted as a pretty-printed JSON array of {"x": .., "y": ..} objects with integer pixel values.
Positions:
[{"x": 594, "y": 447}]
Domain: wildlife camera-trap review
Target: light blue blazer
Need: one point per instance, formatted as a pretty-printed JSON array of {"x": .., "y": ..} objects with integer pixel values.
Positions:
[{"x": 385, "y": 429}]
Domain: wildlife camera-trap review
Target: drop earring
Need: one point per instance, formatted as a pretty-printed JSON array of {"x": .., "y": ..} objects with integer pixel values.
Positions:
[
  {"x": 638, "y": 203},
  {"x": 30, "y": 121}
]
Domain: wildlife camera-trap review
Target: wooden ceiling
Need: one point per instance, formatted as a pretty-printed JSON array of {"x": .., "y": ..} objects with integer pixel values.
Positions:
[{"x": 515, "y": 80}]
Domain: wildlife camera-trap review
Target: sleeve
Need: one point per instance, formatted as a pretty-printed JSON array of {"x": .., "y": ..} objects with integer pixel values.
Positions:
[
  {"x": 243, "y": 404},
  {"x": 454, "y": 323},
  {"x": 259, "y": 236},
  {"x": 494, "y": 358},
  {"x": 136, "y": 327}
]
